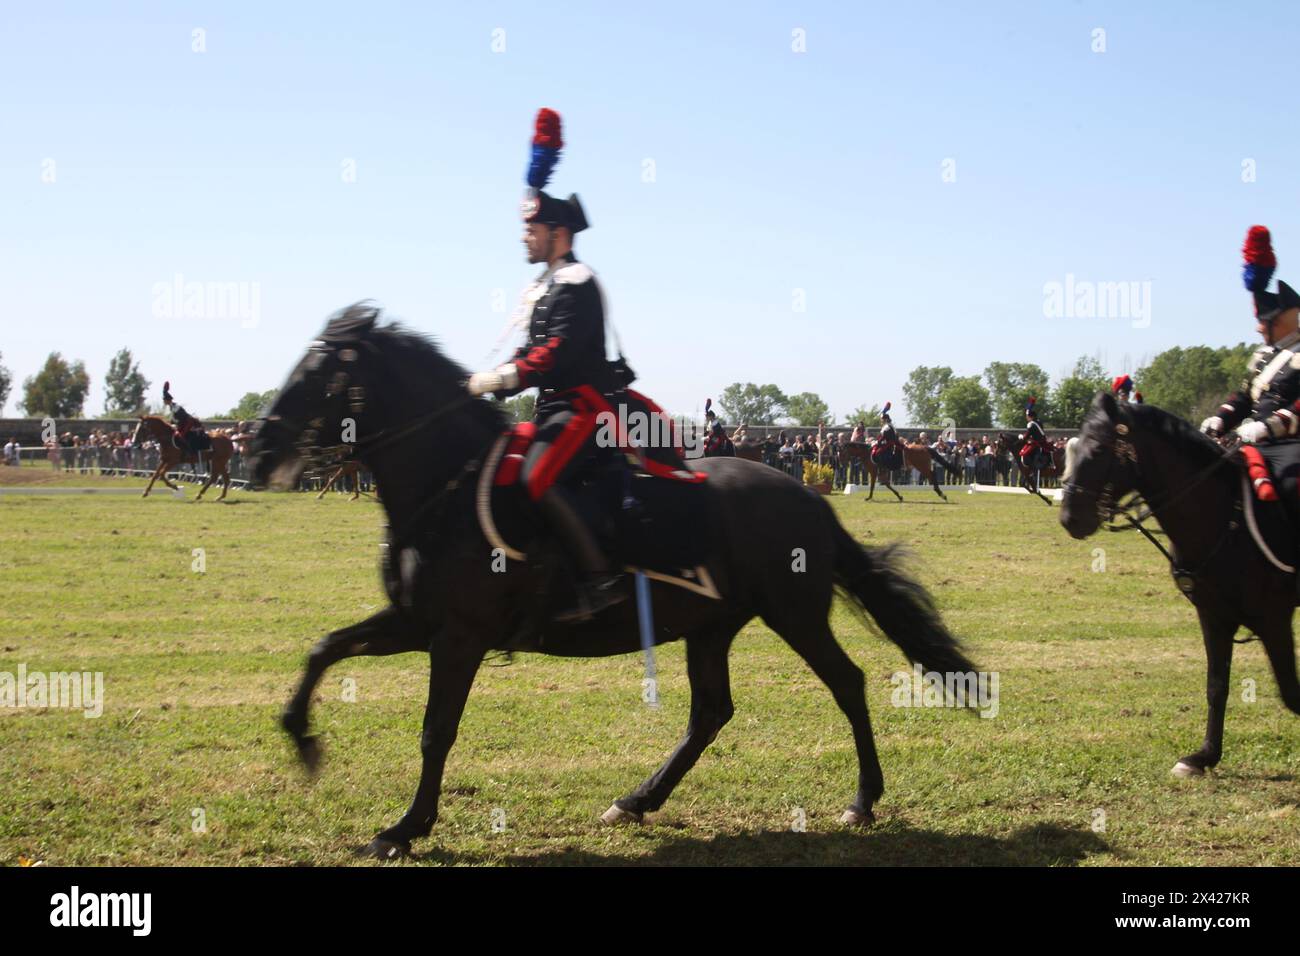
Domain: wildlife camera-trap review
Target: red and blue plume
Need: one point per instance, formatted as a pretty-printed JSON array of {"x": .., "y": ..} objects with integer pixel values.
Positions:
[
  {"x": 167, "y": 392},
  {"x": 888, "y": 406},
  {"x": 1260, "y": 261},
  {"x": 708, "y": 403},
  {"x": 1029, "y": 405},
  {"x": 1122, "y": 383},
  {"x": 547, "y": 144}
]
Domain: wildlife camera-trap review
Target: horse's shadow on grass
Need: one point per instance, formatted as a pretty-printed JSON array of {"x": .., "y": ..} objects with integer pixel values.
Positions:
[{"x": 1044, "y": 844}]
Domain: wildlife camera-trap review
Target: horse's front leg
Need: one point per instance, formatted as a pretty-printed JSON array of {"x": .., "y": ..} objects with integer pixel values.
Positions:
[
  {"x": 453, "y": 661},
  {"x": 163, "y": 467},
  {"x": 156, "y": 475},
  {"x": 377, "y": 636},
  {"x": 1218, "y": 657}
]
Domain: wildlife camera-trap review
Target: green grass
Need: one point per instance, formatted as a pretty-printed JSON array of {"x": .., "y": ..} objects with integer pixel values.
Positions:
[{"x": 1102, "y": 689}]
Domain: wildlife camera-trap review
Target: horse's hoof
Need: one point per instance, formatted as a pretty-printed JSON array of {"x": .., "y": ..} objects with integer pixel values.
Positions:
[
  {"x": 381, "y": 849},
  {"x": 1185, "y": 769},
  {"x": 309, "y": 752},
  {"x": 617, "y": 816},
  {"x": 857, "y": 818}
]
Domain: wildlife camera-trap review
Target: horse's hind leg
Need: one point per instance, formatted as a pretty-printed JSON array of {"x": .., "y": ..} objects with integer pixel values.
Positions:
[
  {"x": 813, "y": 641},
  {"x": 1279, "y": 645},
  {"x": 711, "y": 708},
  {"x": 206, "y": 481},
  {"x": 377, "y": 636},
  {"x": 934, "y": 482},
  {"x": 1218, "y": 660},
  {"x": 328, "y": 485}
]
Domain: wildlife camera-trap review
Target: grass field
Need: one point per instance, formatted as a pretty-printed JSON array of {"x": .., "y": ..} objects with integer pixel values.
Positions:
[{"x": 1101, "y": 690}]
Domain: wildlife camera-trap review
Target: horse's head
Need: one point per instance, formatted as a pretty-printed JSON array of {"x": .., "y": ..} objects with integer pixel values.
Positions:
[
  {"x": 320, "y": 405},
  {"x": 1099, "y": 467},
  {"x": 355, "y": 383}
]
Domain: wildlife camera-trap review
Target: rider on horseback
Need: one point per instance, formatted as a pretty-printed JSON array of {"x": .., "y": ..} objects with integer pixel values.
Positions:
[
  {"x": 1036, "y": 452},
  {"x": 189, "y": 433},
  {"x": 887, "y": 449},
  {"x": 1265, "y": 408},
  {"x": 563, "y": 356},
  {"x": 716, "y": 443}
]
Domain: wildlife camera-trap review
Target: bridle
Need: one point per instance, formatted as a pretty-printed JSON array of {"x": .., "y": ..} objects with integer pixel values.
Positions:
[
  {"x": 1123, "y": 453},
  {"x": 317, "y": 456}
]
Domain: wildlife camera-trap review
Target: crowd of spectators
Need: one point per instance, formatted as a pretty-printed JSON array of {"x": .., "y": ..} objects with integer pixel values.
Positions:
[
  {"x": 972, "y": 461},
  {"x": 116, "y": 453}
]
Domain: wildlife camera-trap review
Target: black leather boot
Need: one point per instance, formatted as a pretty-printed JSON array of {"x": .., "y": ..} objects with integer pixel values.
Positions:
[{"x": 599, "y": 586}]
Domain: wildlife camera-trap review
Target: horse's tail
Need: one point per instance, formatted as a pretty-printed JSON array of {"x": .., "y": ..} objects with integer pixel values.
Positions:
[{"x": 872, "y": 577}]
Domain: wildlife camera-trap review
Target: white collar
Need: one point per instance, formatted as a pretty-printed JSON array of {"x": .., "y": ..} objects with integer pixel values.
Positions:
[{"x": 1289, "y": 341}]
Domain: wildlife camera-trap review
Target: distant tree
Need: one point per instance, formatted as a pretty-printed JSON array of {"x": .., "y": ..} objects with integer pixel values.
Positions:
[
  {"x": 522, "y": 406},
  {"x": 1074, "y": 393},
  {"x": 807, "y": 409},
  {"x": 922, "y": 395},
  {"x": 58, "y": 389},
  {"x": 965, "y": 403},
  {"x": 751, "y": 404},
  {"x": 1011, "y": 384},
  {"x": 124, "y": 386},
  {"x": 6, "y": 383},
  {"x": 251, "y": 405},
  {"x": 866, "y": 415}
]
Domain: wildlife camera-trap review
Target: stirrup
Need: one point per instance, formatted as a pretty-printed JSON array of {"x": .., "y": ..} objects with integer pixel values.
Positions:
[{"x": 594, "y": 596}]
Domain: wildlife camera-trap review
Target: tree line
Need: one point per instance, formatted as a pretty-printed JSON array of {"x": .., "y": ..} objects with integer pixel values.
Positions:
[
  {"x": 61, "y": 388},
  {"x": 1189, "y": 382}
]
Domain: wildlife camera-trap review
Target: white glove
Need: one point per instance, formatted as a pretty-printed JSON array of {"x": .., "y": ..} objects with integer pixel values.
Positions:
[
  {"x": 1212, "y": 426},
  {"x": 505, "y": 377},
  {"x": 1252, "y": 432}
]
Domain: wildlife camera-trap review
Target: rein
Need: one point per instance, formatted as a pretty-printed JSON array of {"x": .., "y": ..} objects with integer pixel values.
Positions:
[{"x": 1123, "y": 451}]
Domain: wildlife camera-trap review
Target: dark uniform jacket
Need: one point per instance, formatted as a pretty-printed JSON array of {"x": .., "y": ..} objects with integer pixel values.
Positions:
[
  {"x": 566, "y": 336},
  {"x": 1270, "y": 392}
]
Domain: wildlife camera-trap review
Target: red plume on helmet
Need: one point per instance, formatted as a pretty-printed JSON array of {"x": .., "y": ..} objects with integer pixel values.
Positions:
[{"x": 1260, "y": 261}]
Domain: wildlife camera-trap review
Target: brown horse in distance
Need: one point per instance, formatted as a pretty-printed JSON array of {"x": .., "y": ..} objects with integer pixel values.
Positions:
[
  {"x": 914, "y": 456},
  {"x": 347, "y": 469},
  {"x": 170, "y": 456}
]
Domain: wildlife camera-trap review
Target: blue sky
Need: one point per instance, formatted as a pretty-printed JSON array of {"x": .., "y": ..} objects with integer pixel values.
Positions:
[{"x": 774, "y": 171}]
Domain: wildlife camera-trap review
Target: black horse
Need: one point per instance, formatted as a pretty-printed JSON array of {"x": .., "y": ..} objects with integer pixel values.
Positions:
[
  {"x": 1195, "y": 492},
  {"x": 780, "y": 553}
]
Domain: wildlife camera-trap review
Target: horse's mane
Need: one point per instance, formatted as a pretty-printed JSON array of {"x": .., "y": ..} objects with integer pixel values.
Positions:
[
  {"x": 427, "y": 373},
  {"x": 1181, "y": 434}
]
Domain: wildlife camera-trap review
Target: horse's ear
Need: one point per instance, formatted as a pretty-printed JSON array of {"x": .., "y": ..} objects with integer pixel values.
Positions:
[{"x": 1105, "y": 403}]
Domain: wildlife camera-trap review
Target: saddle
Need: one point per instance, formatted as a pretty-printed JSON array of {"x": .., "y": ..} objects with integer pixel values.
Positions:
[
  {"x": 1271, "y": 499},
  {"x": 649, "y": 517},
  {"x": 887, "y": 456},
  {"x": 195, "y": 440}
]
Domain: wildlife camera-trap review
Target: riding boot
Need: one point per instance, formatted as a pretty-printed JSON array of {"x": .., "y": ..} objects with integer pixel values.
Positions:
[{"x": 598, "y": 588}]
